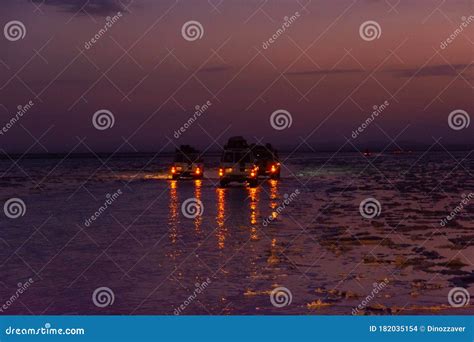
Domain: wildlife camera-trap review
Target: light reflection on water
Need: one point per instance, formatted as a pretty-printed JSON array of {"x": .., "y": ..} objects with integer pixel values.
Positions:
[
  {"x": 341, "y": 253},
  {"x": 224, "y": 198},
  {"x": 197, "y": 195},
  {"x": 221, "y": 232},
  {"x": 173, "y": 220},
  {"x": 273, "y": 196},
  {"x": 254, "y": 213},
  {"x": 233, "y": 219}
]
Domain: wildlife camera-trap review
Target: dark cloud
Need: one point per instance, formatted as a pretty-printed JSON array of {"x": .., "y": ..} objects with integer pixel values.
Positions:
[
  {"x": 428, "y": 71},
  {"x": 432, "y": 71},
  {"x": 324, "y": 72},
  {"x": 93, "y": 7}
]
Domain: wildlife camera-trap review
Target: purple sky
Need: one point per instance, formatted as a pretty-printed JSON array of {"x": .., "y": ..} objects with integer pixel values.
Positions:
[{"x": 320, "y": 70}]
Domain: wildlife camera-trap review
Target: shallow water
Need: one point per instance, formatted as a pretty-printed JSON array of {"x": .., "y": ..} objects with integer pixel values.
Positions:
[{"x": 319, "y": 246}]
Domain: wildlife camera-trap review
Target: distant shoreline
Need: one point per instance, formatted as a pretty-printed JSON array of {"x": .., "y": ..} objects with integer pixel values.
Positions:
[{"x": 214, "y": 153}]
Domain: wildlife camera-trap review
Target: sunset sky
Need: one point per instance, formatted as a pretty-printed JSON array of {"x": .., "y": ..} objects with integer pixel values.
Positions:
[{"x": 320, "y": 70}]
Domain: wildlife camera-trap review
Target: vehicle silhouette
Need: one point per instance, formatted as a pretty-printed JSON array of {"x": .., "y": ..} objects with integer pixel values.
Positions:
[
  {"x": 266, "y": 160},
  {"x": 238, "y": 163},
  {"x": 187, "y": 163}
]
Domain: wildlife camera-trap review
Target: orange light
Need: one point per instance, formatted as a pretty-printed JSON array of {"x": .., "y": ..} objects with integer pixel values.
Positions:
[
  {"x": 173, "y": 170},
  {"x": 221, "y": 172},
  {"x": 198, "y": 171},
  {"x": 253, "y": 172},
  {"x": 273, "y": 168}
]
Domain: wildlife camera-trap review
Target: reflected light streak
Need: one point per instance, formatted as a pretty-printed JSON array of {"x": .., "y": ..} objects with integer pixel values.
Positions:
[
  {"x": 197, "y": 194},
  {"x": 221, "y": 229}
]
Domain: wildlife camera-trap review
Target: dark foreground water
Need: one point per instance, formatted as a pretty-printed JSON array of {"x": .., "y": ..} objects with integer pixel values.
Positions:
[{"x": 155, "y": 260}]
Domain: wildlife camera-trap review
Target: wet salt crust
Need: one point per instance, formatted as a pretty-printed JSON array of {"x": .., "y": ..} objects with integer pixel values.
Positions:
[{"x": 319, "y": 246}]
